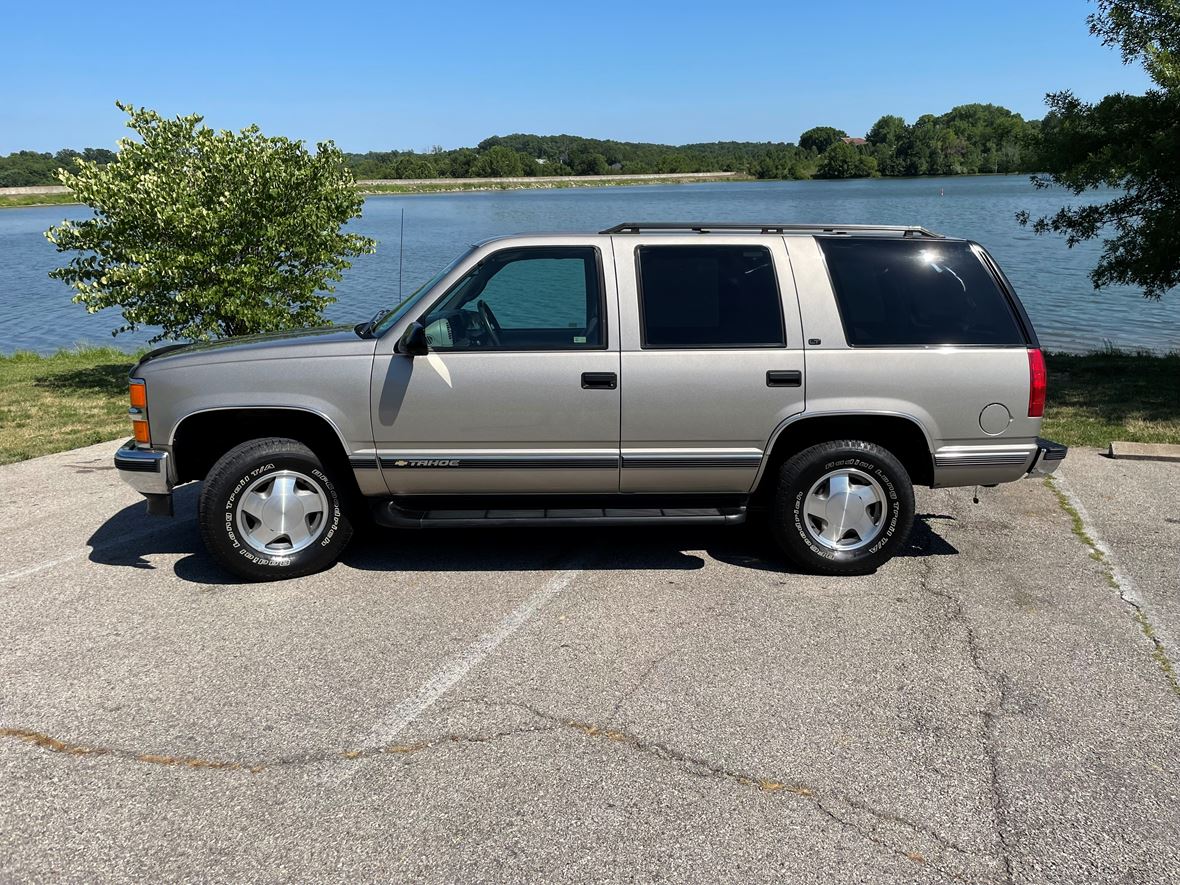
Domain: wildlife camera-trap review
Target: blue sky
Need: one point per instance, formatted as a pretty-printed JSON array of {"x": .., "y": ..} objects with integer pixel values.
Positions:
[{"x": 410, "y": 75}]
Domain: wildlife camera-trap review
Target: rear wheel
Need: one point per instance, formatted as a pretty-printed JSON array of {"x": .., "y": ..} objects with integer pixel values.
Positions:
[
  {"x": 269, "y": 509},
  {"x": 842, "y": 508}
]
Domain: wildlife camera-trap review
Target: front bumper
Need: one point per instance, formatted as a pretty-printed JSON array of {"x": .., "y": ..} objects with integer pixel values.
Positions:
[
  {"x": 145, "y": 470},
  {"x": 1049, "y": 457}
]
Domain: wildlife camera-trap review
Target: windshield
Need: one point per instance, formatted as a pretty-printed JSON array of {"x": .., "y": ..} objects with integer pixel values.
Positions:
[{"x": 382, "y": 324}]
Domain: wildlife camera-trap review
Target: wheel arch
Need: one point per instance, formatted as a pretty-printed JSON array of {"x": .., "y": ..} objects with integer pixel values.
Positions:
[
  {"x": 902, "y": 434},
  {"x": 201, "y": 437}
]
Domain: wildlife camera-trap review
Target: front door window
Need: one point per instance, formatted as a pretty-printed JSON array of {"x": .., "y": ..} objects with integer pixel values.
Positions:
[{"x": 543, "y": 298}]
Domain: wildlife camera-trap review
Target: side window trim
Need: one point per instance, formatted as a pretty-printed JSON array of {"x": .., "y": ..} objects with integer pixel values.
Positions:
[
  {"x": 782, "y": 320},
  {"x": 598, "y": 278},
  {"x": 1014, "y": 304}
]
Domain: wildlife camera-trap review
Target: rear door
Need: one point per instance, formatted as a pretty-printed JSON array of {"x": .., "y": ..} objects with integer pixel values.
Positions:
[{"x": 712, "y": 358}]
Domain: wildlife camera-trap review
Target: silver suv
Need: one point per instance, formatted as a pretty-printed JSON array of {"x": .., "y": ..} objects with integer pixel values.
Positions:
[{"x": 681, "y": 374}]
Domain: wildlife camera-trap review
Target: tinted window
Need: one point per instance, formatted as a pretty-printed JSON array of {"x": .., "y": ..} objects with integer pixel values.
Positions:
[
  {"x": 899, "y": 292},
  {"x": 522, "y": 299},
  {"x": 709, "y": 296}
]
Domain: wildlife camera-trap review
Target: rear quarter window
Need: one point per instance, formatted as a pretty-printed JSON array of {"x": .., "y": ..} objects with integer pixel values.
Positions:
[{"x": 914, "y": 292}]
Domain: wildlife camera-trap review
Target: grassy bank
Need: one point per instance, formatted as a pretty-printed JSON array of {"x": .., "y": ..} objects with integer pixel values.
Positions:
[
  {"x": 1100, "y": 397},
  {"x": 53, "y": 403},
  {"x": 78, "y": 397},
  {"x": 8, "y": 201},
  {"x": 455, "y": 185},
  {"x": 459, "y": 184}
]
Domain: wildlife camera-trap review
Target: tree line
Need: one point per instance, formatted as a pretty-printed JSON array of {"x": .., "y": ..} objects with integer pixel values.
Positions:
[
  {"x": 966, "y": 140},
  {"x": 30, "y": 168}
]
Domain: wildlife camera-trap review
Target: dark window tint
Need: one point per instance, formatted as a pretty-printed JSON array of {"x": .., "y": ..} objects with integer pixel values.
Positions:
[
  {"x": 709, "y": 296},
  {"x": 899, "y": 292},
  {"x": 545, "y": 298}
]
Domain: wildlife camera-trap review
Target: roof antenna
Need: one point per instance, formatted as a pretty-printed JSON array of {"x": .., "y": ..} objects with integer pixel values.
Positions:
[{"x": 401, "y": 250}]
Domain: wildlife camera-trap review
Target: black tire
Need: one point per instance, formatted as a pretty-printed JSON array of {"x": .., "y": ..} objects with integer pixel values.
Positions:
[
  {"x": 796, "y": 479},
  {"x": 243, "y": 468}
]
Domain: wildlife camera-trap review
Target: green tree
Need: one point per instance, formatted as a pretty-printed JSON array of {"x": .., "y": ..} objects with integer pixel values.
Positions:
[
  {"x": 884, "y": 138},
  {"x": 498, "y": 161},
  {"x": 819, "y": 138},
  {"x": 1127, "y": 142},
  {"x": 207, "y": 234},
  {"x": 889, "y": 130},
  {"x": 585, "y": 161},
  {"x": 843, "y": 160}
]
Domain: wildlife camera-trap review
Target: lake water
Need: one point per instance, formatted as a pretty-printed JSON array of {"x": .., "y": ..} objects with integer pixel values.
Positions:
[{"x": 36, "y": 312}]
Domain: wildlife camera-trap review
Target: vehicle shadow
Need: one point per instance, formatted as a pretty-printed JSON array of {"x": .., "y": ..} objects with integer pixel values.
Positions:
[{"x": 130, "y": 537}]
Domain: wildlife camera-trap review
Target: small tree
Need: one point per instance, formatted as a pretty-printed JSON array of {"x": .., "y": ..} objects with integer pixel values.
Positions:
[{"x": 207, "y": 234}]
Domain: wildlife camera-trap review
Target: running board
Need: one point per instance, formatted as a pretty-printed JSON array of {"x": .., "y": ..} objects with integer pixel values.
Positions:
[{"x": 391, "y": 515}]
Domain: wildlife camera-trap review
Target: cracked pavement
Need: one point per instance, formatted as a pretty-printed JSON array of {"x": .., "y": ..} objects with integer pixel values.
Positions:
[{"x": 985, "y": 709}]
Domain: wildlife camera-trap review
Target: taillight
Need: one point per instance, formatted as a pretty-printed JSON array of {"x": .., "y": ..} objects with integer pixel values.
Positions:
[
  {"x": 138, "y": 411},
  {"x": 1038, "y": 379}
]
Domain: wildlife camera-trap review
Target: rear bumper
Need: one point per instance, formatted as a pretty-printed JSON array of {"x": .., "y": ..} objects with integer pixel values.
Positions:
[
  {"x": 986, "y": 465},
  {"x": 145, "y": 470},
  {"x": 1049, "y": 457}
]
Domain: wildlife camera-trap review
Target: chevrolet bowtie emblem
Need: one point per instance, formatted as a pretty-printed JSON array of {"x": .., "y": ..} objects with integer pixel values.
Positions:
[{"x": 400, "y": 463}]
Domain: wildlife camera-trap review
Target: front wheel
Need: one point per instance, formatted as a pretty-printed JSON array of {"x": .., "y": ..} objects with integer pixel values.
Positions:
[
  {"x": 270, "y": 510},
  {"x": 843, "y": 508}
]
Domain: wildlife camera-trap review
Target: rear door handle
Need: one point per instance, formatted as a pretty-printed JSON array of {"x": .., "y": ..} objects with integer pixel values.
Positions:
[
  {"x": 599, "y": 380},
  {"x": 784, "y": 378}
]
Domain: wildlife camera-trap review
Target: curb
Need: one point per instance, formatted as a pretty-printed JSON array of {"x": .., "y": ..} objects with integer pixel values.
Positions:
[{"x": 1129, "y": 451}]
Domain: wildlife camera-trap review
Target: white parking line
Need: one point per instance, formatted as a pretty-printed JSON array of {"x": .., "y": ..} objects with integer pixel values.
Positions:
[
  {"x": 84, "y": 551},
  {"x": 41, "y": 566},
  {"x": 392, "y": 724},
  {"x": 1126, "y": 587}
]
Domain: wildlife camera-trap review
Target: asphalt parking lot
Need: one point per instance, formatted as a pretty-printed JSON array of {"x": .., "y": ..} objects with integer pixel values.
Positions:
[{"x": 505, "y": 705}]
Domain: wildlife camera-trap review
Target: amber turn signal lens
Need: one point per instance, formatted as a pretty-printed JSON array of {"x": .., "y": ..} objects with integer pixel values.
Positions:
[
  {"x": 142, "y": 435},
  {"x": 139, "y": 396}
]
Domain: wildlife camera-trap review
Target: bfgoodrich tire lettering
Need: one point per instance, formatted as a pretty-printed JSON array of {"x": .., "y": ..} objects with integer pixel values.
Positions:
[
  {"x": 859, "y": 472},
  {"x": 264, "y": 464}
]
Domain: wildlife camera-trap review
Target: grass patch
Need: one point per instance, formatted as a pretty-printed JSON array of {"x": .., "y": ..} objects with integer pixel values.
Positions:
[
  {"x": 1100, "y": 397},
  {"x": 53, "y": 403},
  {"x": 10, "y": 201}
]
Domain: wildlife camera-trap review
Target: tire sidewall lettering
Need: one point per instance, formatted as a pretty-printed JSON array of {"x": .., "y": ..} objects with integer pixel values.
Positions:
[
  {"x": 249, "y": 476},
  {"x": 863, "y": 462}
]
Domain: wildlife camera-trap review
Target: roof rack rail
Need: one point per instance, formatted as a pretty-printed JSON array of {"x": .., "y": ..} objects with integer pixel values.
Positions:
[{"x": 635, "y": 227}]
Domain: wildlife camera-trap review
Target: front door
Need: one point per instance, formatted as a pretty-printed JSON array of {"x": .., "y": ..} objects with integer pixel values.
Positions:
[
  {"x": 712, "y": 359},
  {"x": 520, "y": 390}
]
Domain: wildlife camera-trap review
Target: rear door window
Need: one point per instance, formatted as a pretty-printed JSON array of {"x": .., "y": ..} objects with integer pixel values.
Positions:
[
  {"x": 709, "y": 296},
  {"x": 915, "y": 292}
]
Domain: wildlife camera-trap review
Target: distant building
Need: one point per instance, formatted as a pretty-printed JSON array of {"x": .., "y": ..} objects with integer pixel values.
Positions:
[{"x": 854, "y": 141}]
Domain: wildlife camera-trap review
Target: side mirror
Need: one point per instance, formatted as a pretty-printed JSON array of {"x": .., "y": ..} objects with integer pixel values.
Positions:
[{"x": 413, "y": 341}]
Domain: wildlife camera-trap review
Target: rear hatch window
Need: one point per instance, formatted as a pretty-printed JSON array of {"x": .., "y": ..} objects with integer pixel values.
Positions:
[{"x": 914, "y": 292}]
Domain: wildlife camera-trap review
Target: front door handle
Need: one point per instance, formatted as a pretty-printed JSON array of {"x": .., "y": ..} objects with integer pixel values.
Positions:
[
  {"x": 599, "y": 380},
  {"x": 785, "y": 378}
]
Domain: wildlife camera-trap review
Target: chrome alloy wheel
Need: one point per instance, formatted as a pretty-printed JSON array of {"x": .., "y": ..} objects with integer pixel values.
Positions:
[
  {"x": 282, "y": 513},
  {"x": 845, "y": 509}
]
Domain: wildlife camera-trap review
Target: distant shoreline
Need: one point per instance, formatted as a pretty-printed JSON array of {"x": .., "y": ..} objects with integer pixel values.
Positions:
[{"x": 57, "y": 195}]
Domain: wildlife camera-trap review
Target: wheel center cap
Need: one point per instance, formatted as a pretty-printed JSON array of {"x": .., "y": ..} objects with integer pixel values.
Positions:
[
  {"x": 280, "y": 511},
  {"x": 842, "y": 505}
]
